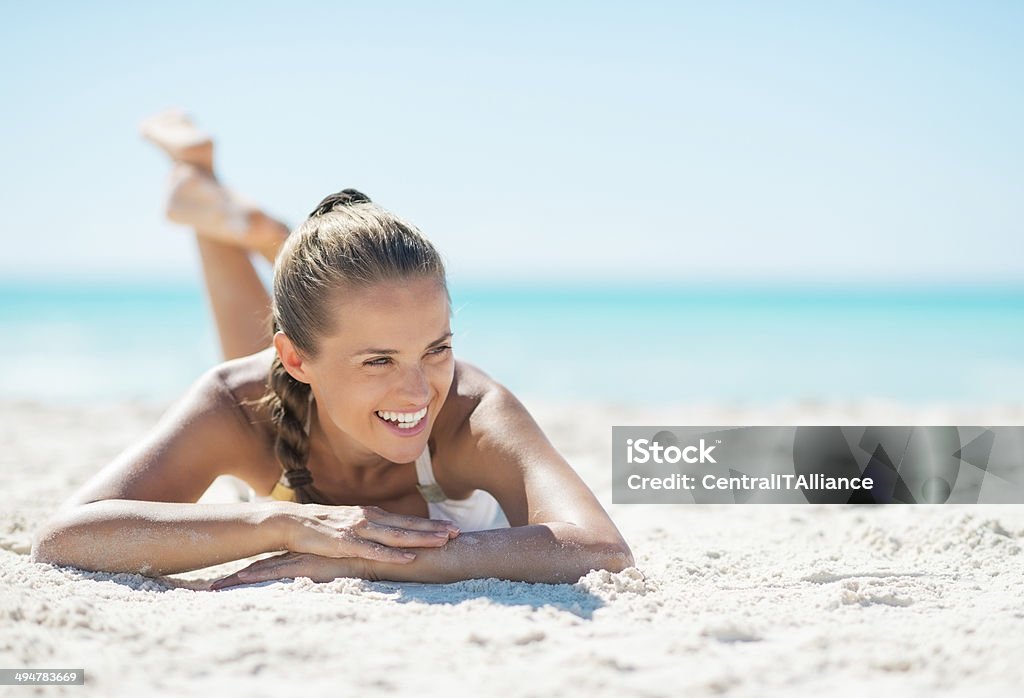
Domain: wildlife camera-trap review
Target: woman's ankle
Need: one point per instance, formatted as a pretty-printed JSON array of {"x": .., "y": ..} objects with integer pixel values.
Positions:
[
  {"x": 198, "y": 200},
  {"x": 200, "y": 156},
  {"x": 266, "y": 235}
]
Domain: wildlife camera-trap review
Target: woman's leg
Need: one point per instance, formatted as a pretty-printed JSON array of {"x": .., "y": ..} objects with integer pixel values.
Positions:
[
  {"x": 238, "y": 299},
  {"x": 240, "y": 304},
  {"x": 227, "y": 230}
]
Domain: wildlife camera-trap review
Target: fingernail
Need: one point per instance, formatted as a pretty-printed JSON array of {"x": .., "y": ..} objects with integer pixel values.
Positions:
[
  {"x": 454, "y": 530},
  {"x": 441, "y": 534},
  {"x": 409, "y": 556}
]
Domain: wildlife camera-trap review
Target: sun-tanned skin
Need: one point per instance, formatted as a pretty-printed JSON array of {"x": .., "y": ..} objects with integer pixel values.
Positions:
[
  {"x": 140, "y": 513},
  {"x": 483, "y": 439},
  {"x": 391, "y": 487}
]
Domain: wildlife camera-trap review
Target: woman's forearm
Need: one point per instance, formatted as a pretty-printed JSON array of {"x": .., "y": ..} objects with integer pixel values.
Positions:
[
  {"x": 156, "y": 538},
  {"x": 552, "y": 553}
]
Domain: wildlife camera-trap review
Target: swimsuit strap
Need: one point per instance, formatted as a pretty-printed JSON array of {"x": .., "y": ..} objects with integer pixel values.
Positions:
[{"x": 426, "y": 482}]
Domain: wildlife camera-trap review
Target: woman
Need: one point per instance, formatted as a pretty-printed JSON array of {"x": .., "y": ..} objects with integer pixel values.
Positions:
[{"x": 376, "y": 454}]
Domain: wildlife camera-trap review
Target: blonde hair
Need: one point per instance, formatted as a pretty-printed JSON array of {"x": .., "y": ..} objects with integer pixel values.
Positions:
[{"x": 346, "y": 243}]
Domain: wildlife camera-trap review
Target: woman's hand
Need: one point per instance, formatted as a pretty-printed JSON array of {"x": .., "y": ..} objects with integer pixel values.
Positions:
[
  {"x": 316, "y": 567},
  {"x": 361, "y": 532}
]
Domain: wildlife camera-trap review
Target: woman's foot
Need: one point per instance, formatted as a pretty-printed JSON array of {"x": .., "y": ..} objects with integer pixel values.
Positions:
[
  {"x": 197, "y": 199},
  {"x": 174, "y": 133}
]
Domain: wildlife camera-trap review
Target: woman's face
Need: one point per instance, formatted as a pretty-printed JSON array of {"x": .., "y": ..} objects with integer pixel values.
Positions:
[{"x": 382, "y": 378}]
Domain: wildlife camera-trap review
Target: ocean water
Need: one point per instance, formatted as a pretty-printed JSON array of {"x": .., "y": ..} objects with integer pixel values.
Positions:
[{"x": 78, "y": 344}]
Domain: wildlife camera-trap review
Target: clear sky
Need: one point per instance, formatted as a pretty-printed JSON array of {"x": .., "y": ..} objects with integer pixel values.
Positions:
[{"x": 802, "y": 141}]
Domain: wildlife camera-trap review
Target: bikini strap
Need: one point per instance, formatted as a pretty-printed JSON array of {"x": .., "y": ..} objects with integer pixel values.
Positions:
[{"x": 427, "y": 483}]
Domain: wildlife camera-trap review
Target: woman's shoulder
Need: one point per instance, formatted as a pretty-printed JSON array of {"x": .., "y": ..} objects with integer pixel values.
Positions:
[
  {"x": 475, "y": 413},
  {"x": 470, "y": 388},
  {"x": 246, "y": 376},
  {"x": 245, "y": 380}
]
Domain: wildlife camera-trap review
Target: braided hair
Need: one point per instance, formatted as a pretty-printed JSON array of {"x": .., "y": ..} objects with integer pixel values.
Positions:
[{"x": 347, "y": 242}]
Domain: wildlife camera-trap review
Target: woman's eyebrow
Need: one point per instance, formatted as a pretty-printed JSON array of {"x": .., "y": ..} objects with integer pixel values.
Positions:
[{"x": 372, "y": 350}]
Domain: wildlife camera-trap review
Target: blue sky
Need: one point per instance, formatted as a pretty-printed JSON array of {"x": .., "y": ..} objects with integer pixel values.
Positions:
[{"x": 716, "y": 141}]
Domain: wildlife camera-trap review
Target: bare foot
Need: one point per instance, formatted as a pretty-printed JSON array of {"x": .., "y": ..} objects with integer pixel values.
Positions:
[
  {"x": 197, "y": 199},
  {"x": 174, "y": 133}
]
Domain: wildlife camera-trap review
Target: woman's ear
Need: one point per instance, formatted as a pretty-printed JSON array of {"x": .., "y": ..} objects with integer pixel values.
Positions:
[{"x": 290, "y": 359}]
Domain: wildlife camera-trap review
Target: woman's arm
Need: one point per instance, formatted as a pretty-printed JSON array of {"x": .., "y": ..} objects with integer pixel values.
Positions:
[
  {"x": 139, "y": 513},
  {"x": 552, "y": 553},
  {"x": 559, "y": 533},
  {"x": 156, "y": 538}
]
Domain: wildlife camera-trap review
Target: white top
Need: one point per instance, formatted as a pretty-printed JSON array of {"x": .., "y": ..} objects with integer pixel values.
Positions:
[{"x": 479, "y": 511}]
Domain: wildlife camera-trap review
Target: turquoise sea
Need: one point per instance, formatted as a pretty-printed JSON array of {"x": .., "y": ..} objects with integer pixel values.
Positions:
[{"x": 79, "y": 343}]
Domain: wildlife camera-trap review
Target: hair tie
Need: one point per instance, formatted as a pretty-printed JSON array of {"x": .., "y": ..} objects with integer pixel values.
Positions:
[
  {"x": 298, "y": 478},
  {"x": 345, "y": 197}
]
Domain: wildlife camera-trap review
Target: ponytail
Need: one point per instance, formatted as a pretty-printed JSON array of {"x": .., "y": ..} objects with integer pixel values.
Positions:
[{"x": 347, "y": 242}]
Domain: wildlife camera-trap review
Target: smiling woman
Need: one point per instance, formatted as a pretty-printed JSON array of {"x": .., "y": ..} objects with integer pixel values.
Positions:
[{"x": 369, "y": 449}]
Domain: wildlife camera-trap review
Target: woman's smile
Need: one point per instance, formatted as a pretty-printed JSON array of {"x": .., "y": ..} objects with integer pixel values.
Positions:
[
  {"x": 404, "y": 424},
  {"x": 382, "y": 377}
]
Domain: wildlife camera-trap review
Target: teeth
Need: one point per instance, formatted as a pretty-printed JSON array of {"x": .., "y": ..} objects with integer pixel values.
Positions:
[{"x": 405, "y": 420}]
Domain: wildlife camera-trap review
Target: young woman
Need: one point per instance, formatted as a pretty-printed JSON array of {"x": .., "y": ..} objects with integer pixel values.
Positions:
[{"x": 374, "y": 452}]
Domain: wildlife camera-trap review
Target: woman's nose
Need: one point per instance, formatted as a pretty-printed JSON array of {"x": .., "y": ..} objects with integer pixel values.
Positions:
[{"x": 415, "y": 387}]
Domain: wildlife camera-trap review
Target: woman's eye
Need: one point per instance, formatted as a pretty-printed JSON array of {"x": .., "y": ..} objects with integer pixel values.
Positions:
[{"x": 384, "y": 361}]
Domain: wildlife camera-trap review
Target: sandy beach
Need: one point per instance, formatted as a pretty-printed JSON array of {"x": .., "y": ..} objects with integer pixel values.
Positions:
[
  {"x": 724, "y": 600},
  {"x": 664, "y": 214}
]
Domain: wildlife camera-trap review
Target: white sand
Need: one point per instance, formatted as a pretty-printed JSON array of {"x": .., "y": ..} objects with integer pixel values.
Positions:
[{"x": 725, "y": 600}]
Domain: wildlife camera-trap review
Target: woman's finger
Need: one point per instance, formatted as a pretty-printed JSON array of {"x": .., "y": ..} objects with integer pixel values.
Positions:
[
  {"x": 348, "y": 543},
  {"x": 404, "y": 537},
  {"x": 292, "y": 566},
  {"x": 246, "y": 576},
  {"x": 413, "y": 523},
  {"x": 375, "y": 551},
  {"x": 267, "y": 568},
  {"x": 229, "y": 581},
  {"x": 364, "y": 533}
]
